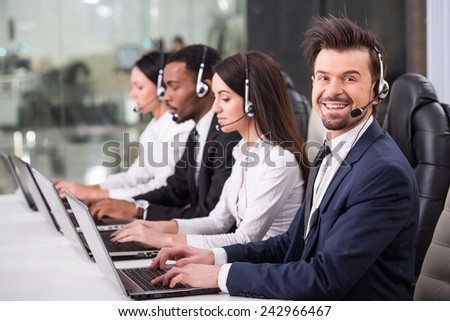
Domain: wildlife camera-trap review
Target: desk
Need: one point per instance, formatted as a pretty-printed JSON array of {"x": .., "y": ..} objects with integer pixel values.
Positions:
[{"x": 38, "y": 263}]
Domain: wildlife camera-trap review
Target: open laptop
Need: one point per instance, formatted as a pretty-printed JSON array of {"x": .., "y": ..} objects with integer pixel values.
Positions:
[
  {"x": 24, "y": 169},
  {"x": 26, "y": 172},
  {"x": 17, "y": 181},
  {"x": 118, "y": 251},
  {"x": 134, "y": 282}
]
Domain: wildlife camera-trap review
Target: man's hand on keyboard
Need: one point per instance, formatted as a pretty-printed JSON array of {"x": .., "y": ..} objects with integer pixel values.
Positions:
[
  {"x": 194, "y": 275},
  {"x": 183, "y": 255}
]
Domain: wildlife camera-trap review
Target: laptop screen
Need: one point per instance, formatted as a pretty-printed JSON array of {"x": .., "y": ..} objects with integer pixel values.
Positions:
[
  {"x": 28, "y": 178},
  {"x": 16, "y": 180}
]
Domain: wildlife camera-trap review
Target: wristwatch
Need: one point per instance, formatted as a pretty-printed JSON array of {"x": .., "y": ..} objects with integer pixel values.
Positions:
[{"x": 141, "y": 206}]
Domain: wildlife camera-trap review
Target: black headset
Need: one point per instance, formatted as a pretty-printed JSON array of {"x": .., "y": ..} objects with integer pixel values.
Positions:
[
  {"x": 383, "y": 86},
  {"x": 248, "y": 105},
  {"x": 160, "y": 90},
  {"x": 201, "y": 89}
]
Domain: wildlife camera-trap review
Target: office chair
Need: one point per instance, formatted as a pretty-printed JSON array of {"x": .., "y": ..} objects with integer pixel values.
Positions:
[
  {"x": 300, "y": 105},
  {"x": 420, "y": 125},
  {"x": 434, "y": 279}
]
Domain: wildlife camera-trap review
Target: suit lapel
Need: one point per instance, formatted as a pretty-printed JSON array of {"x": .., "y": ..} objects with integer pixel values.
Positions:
[
  {"x": 210, "y": 139},
  {"x": 191, "y": 145},
  {"x": 295, "y": 232},
  {"x": 367, "y": 139},
  {"x": 213, "y": 132}
]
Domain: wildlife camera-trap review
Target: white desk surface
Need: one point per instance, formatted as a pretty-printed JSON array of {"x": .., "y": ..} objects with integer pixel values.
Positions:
[{"x": 38, "y": 263}]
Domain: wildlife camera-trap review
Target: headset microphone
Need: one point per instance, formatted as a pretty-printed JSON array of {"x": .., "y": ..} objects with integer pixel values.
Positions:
[
  {"x": 358, "y": 111},
  {"x": 177, "y": 115},
  {"x": 138, "y": 108},
  {"x": 219, "y": 127}
]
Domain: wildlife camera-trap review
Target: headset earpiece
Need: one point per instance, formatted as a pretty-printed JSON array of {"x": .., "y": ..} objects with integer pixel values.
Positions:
[
  {"x": 248, "y": 105},
  {"x": 249, "y": 110},
  {"x": 201, "y": 89},
  {"x": 384, "y": 91},
  {"x": 160, "y": 90},
  {"x": 383, "y": 86}
]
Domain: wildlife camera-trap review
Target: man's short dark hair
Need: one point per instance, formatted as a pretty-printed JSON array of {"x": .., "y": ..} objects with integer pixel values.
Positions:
[
  {"x": 342, "y": 34},
  {"x": 192, "y": 55}
]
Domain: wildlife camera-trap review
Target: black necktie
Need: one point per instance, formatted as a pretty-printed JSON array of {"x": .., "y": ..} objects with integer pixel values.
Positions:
[
  {"x": 323, "y": 152},
  {"x": 191, "y": 149}
]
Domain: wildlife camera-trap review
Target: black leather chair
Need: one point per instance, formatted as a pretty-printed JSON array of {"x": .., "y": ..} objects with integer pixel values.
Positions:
[
  {"x": 420, "y": 125},
  {"x": 434, "y": 279},
  {"x": 300, "y": 105}
]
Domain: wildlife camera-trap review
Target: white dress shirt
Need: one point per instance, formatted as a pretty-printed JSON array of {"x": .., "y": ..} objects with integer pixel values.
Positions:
[
  {"x": 162, "y": 143},
  {"x": 261, "y": 198},
  {"x": 340, "y": 147}
]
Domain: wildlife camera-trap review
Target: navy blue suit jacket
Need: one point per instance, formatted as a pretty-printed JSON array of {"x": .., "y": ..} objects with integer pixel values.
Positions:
[{"x": 362, "y": 246}]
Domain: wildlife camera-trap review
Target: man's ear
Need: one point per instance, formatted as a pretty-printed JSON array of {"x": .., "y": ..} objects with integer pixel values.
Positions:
[
  {"x": 208, "y": 82},
  {"x": 375, "y": 92}
]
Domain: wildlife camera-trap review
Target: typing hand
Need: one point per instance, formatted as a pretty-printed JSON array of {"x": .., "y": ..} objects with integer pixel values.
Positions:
[
  {"x": 143, "y": 226},
  {"x": 147, "y": 233},
  {"x": 64, "y": 186},
  {"x": 113, "y": 208},
  {"x": 84, "y": 192},
  {"x": 183, "y": 255},
  {"x": 194, "y": 275}
]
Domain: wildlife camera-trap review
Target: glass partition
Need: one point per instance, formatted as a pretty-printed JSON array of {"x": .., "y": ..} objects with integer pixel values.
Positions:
[
  {"x": 64, "y": 73},
  {"x": 64, "y": 65}
]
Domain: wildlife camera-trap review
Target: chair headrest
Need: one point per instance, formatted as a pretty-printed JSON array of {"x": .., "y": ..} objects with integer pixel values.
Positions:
[
  {"x": 413, "y": 90},
  {"x": 409, "y": 92}
]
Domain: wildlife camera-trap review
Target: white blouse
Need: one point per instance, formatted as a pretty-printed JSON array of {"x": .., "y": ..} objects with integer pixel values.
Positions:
[
  {"x": 261, "y": 198},
  {"x": 162, "y": 143}
]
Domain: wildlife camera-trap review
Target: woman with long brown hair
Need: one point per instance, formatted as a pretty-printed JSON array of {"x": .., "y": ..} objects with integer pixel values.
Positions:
[{"x": 266, "y": 186}]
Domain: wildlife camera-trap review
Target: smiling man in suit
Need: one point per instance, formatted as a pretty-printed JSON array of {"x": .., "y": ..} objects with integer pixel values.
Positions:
[
  {"x": 195, "y": 187},
  {"x": 354, "y": 236}
]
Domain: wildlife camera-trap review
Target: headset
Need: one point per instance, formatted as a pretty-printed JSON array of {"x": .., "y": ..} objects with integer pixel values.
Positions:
[
  {"x": 382, "y": 92},
  {"x": 248, "y": 105},
  {"x": 383, "y": 86},
  {"x": 160, "y": 90},
  {"x": 201, "y": 89},
  {"x": 249, "y": 110}
]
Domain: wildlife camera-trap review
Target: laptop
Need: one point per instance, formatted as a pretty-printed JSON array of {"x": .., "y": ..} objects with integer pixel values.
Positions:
[
  {"x": 24, "y": 169},
  {"x": 17, "y": 181},
  {"x": 134, "y": 282},
  {"x": 118, "y": 251},
  {"x": 26, "y": 172}
]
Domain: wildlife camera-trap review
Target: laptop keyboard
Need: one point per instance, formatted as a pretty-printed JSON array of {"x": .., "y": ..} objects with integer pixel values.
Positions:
[
  {"x": 143, "y": 276},
  {"x": 121, "y": 247}
]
